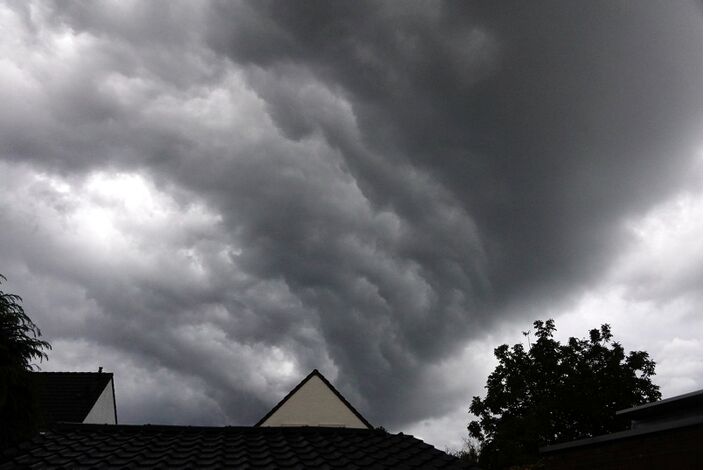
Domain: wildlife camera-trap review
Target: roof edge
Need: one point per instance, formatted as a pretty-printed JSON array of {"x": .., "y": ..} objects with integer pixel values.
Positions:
[
  {"x": 62, "y": 372},
  {"x": 89, "y": 427},
  {"x": 658, "y": 403},
  {"x": 589, "y": 441}
]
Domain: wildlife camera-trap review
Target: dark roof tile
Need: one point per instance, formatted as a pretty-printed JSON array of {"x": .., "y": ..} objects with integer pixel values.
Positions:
[{"x": 111, "y": 446}]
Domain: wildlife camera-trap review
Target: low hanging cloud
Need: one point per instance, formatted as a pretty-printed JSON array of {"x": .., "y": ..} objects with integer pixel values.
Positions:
[{"x": 226, "y": 195}]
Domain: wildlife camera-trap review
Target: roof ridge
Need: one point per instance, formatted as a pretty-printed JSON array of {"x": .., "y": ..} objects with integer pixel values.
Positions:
[
  {"x": 90, "y": 427},
  {"x": 72, "y": 372}
]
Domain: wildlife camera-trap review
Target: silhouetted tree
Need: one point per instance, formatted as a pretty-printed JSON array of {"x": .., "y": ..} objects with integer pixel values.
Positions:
[
  {"x": 19, "y": 347},
  {"x": 554, "y": 393}
]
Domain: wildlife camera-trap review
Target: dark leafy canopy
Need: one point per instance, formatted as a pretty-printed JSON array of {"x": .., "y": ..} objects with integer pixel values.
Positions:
[
  {"x": 19, "y": 347},
  {"x": 554, "y": 393},
  {"x": 19, "y": 336}
]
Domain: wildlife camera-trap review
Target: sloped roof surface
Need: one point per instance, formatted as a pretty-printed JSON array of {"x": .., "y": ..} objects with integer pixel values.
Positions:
[
  {"x": 120, "y": 446},
  {"x": 69, "y": 396},
  {"x": 691, "y": 402}
]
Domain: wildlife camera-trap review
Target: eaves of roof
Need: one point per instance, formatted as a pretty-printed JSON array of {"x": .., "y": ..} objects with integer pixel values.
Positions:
[{"x": 616, "y": 436}]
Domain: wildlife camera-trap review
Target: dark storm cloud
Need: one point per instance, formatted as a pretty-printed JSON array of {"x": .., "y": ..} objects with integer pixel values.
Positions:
[
  {"x": 395, "y": 177},
  {"x": 548, "y": 123}
]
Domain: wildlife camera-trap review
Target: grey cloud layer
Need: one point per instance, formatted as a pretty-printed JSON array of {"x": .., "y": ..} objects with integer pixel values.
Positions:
[
  {"x": 569, "y": 117},
  {"x": 363, "y": 185}
]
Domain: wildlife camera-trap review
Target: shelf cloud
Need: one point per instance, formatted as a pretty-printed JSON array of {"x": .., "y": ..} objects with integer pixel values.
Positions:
[{"x": 212, "y": 199}]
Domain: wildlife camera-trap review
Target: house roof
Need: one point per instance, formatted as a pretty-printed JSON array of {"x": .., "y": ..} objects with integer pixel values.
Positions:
[
  {"x": 315, "y": 373},
  {"x": 69, "y": 396},
  {"x": 112, "y": 446},
  {"x": 691, "y": 402},
  {"x": 631, "y": 433},
  {"x": 666, "y": 415}
]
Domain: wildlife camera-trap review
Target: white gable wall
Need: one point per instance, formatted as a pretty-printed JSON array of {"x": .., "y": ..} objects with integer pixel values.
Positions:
[
  {"x": 103, "y": 412},
  {"x": 314, "y": 404}
]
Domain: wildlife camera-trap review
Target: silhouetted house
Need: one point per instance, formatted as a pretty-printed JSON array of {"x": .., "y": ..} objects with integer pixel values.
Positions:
[
  {"x": 76, "y": 397},
  {"x": 314, "y": 426},
  {"x": 663, "y": 434}
]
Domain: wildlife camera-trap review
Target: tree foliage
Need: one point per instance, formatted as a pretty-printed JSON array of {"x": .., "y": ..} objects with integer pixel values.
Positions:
[
  {"x": 557, "y": 392},
  {"x": 19, "y": 336},
  {"x": 20, "y": 346}
]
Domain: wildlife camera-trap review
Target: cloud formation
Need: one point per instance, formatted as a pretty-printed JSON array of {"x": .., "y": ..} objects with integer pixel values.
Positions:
[{"x": 226, "y": 195}]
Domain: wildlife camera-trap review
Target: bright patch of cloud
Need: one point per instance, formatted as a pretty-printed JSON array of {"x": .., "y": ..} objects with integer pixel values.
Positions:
[{"x": 651, "y": 296}]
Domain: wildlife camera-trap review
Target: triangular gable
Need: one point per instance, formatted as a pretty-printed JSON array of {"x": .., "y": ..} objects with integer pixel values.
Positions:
[
  {"x": 314, "y": 402},
  {"x": 104, "y": 410}
]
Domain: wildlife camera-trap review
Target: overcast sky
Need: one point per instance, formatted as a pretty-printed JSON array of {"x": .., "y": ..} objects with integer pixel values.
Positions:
[{"x": 211, "y": 199}]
